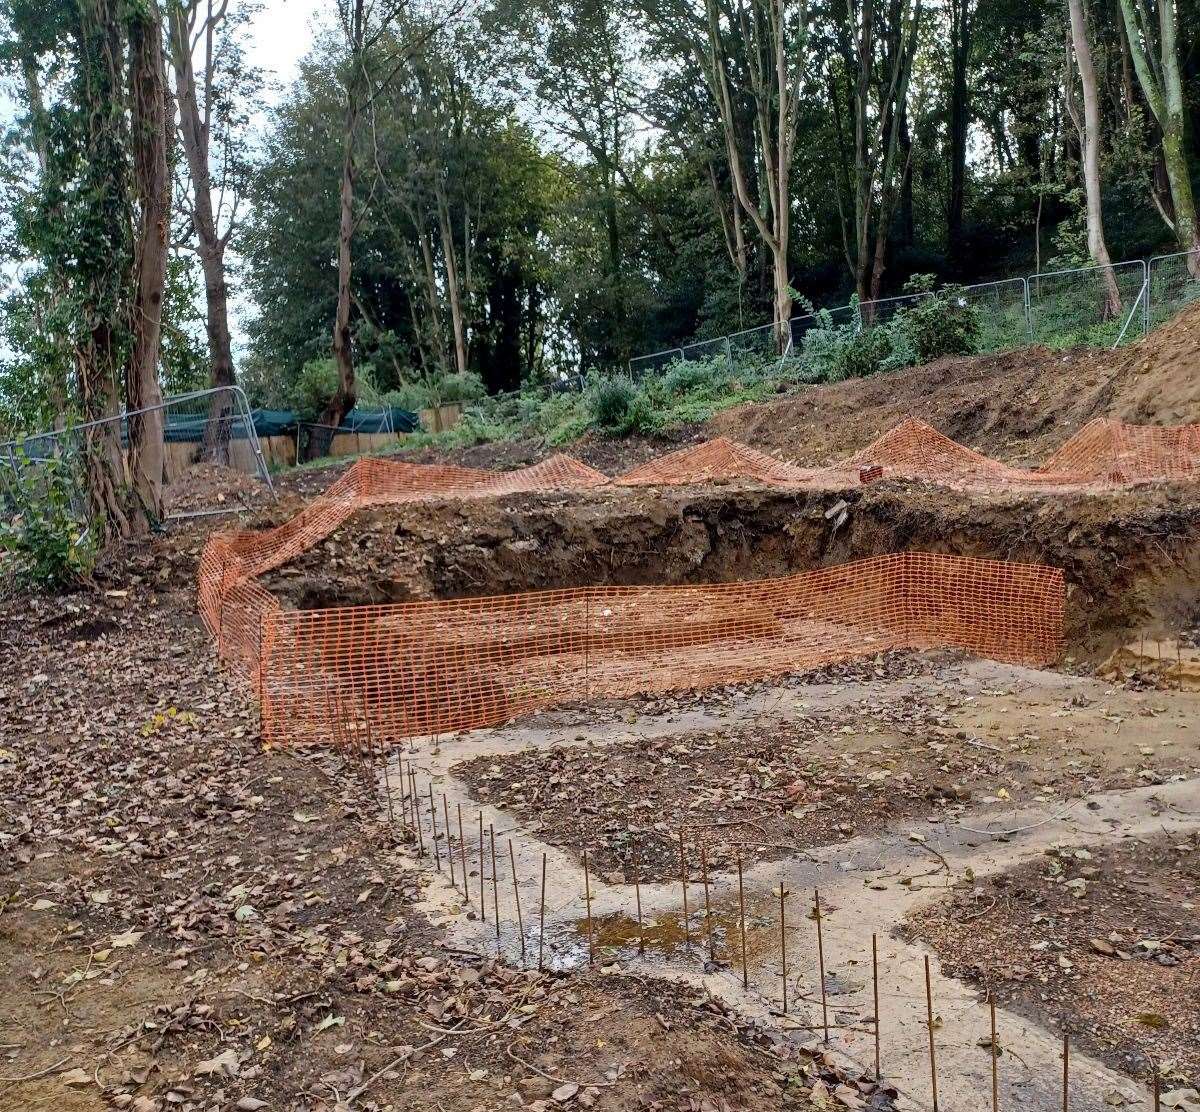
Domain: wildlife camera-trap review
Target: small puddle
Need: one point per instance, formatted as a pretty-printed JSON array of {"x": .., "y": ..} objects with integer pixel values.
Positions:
[{"x": 666, "y": 936}]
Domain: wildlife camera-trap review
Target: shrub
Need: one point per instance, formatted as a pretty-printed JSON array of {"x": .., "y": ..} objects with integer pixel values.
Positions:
[
  {"x": 835, "y": 352},
  {"x": 944, "y": 324},
  {"x": 610, "y": 400},
  {"x": 457, "y": 387},
  {"x": 686, "y": 376},
  {"x": 45, "y": 543}
]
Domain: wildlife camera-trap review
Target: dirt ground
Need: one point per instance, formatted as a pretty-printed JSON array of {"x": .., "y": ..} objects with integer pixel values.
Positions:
[
  {"x": 1019, "y": 406},
  {"x": 830, "y": 756},
  {"x": 188, "y": 921},
  {"x": 1103, "y": 942}
]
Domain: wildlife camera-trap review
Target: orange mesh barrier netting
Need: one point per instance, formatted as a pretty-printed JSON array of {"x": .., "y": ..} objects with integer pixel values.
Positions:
[
  {"x": 409, "y": 669},
  {"x": 441, "y": 666}
]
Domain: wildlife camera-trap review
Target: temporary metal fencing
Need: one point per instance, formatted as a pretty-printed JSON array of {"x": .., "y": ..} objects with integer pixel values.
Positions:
[
  {"x": 213, "y": 425},
  {"x": 1173, "y": 284},
  {"x": 1059, "y": 308},
  {"x": 1069, "y": 307}
]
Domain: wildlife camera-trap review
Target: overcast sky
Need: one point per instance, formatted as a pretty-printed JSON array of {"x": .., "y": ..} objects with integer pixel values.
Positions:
[{"x": 282, "y": 34}]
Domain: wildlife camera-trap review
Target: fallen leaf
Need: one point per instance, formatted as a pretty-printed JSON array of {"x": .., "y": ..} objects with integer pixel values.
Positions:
[{"x": 226, "y": 1064}]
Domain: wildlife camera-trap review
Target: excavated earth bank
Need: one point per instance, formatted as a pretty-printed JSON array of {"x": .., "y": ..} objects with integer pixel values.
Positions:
[{"x": 1131, "y": 558}]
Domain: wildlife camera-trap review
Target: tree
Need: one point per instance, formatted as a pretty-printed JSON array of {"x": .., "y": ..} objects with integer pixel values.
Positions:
[
  {"x": 961, "y": 12},
  {"x": 212, "y": 113},
  {"x": 1159, "y": 74},
  {"x": 152, "y": 182},
  {"x": 876, "y": 47},
  {"x": 100, "y": 132},
  {"x": 777, "y": 39},
  {"x": 1088, "y": 126}
]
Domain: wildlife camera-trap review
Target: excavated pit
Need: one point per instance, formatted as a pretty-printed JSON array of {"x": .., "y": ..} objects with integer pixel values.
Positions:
[{"x": 1130, "y": 558}]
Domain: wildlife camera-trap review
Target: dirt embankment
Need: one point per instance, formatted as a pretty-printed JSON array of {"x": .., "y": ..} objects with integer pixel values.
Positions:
[
  {"x": 1018, "y": 406},
  {"x": 1130, "y": 559}
]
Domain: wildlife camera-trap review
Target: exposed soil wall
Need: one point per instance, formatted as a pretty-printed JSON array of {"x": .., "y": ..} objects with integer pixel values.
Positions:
[{"x": 1131, "y": 559}]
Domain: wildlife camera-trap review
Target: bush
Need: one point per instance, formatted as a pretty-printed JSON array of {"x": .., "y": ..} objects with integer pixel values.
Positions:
[
  {"x": 610, "y": 400},
  {"x": 944, "y": 324},
  {"x": 836, "y": 352},
  {"x": 458, "y": 387},
  {"x": 44, "y": 542}
]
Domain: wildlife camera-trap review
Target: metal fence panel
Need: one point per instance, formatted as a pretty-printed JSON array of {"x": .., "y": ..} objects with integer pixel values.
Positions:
[
  {"x": 212, "y": 426},
  {"x": 1002, "y": 309},
  {"x": 1071, "y": 307},
  {"x": 1174, "y": 283}
]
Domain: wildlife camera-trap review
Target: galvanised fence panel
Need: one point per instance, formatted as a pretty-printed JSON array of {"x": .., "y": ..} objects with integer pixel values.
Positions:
[
  {"x": 1071, "y": 307},
  {"x": 1174, "y": 283},
  {"x": 1002, "y": 309}
]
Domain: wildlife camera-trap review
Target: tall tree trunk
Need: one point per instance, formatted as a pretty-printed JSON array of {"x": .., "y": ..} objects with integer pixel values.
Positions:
[
  {"x": 152, "y": 181},
  {"x": 960, "y": 51},
  {"x": 774, "y": 72},
  {"x": 453, "y": 290},
  {"x": 1162, "y": 84},
  {"x": 343, "y": 351},
  {"x": 211, "y": 244},
  {"x": 1089, "y": 138},
  {"x": 103, "y": 288}
]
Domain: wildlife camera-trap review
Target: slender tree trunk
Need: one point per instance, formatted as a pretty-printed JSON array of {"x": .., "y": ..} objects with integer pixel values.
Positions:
[
  {"x": 1163, "y": 89},
  {"x": 453, "y": 292},
  {"x": 152, "y": 178},
  {"x": 211, "y": 244},
  {"x": 1089, "y": 137},
  {"x": 960, "y": 50},
  {"x": 343, "y": 349}
]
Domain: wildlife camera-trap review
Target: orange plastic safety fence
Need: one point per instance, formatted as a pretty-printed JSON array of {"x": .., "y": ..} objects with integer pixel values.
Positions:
[
  {"x": 350, "y": 674},
  {"x": 430, "y": 667}
]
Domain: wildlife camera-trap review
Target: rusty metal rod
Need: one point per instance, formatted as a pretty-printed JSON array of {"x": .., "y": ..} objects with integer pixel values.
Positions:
[
  {"x": 449, "y": 840},
  {"x": 742, "y": 926},
  {"x": 687, "y": 932},
  {"x": 783, "y": 941},
  {"x": 462, "y": 853},
  {"x": 433, "y": 834},
  {"x": 512, "y": 858},
  {"x": 875, "y": 984},
  {"x": 821, "y": 964},
  {"x": 712, "y": 949},
  {"x": 542, "y": 915},
  {"x": 587, "y": 899},
  {"x": 929, "y": 1024},
  {"x": 495, "y": 880},
  {"x": 482, "y": 873},
  {"x": 412, "y": 784}
]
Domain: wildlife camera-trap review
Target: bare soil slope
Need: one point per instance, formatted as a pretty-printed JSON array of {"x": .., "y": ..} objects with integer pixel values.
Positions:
[{"x": 1019, "y": 406}]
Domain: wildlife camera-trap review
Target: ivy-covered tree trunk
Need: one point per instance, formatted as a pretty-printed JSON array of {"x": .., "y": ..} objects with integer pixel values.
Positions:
[
  {"x": 99, "y": 255},
  {"x": 343, "y": 351},
  {"x": 152, "y": 179}
]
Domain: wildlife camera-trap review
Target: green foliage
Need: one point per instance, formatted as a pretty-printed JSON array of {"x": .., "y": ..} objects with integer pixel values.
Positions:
[
  {"x": 313, "y": 388},
  {"x": 944, "y": 324},
  {"x": 612, "y": 403},
  {"x": 43, "y": 543},
  {"x": 457, "y": 387}
]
